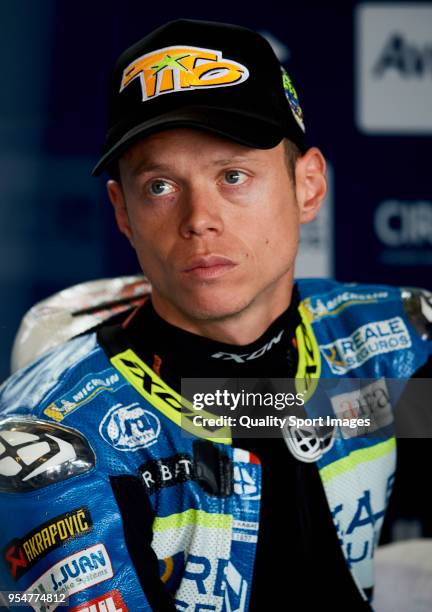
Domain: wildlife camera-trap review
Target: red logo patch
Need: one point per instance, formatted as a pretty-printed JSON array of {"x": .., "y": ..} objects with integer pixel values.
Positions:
[
  {"x": 109, "y": 602},
  {"x": 15, "y": 557}
]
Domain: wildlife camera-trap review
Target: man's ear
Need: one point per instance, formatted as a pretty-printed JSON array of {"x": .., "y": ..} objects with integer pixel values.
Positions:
[
  {"x": 116, "y": 196},
  {"x": 311, "y": 183}
]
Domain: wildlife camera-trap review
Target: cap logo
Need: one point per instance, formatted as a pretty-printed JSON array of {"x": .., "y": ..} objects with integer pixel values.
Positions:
[
  {"x": 182, "y": 68},
  {"x": 292, "y": 98}
]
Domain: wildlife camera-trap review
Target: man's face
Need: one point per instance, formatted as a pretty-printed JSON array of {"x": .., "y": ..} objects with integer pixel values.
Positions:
[{"x": 215, "y": 224}]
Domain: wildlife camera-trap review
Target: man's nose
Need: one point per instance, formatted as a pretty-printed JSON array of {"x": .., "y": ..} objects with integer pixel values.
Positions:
[{"x": 201, "y": 213}]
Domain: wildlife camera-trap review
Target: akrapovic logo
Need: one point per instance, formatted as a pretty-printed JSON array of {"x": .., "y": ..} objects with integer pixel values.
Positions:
[
  {"x": 182, "y": 68},
  {"x": 22, "y": 553},
  {"x": 372, "y": 339}
]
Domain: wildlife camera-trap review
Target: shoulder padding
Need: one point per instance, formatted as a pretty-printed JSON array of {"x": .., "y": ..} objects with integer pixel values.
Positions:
[
  {"x": 34, "y": 454},
  {"x": 418, "y": 308}
]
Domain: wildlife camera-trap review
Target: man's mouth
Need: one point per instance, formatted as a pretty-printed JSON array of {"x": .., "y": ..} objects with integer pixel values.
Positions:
[{"x": 209, "y": 266}]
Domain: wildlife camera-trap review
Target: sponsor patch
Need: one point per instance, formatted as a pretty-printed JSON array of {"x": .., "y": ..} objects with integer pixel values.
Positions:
[
  {"x": 372, "y": 339},
  {"x": 108, "y": 602},
  {"x": 128, "y": 428},
  {"x": 319, "y": 307},
  {"x": 371, "y": 401},
  {"x": 21, "y": 554},
  {"x": 167, "y": 472},
  {"x": 209, "y": 467},
  {"x": 75, "y": 573},
  {"x": 34, "y": 454},
  {"x": 182, "y": 68},
  {"x": 83, "y": 392}
]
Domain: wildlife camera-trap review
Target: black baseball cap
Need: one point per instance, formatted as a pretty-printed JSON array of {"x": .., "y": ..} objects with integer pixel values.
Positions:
[{"x": 212, "y": 76}]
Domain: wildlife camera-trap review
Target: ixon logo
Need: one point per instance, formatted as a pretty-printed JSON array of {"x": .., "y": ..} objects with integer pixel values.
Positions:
[{"x": 182, "y": 68}]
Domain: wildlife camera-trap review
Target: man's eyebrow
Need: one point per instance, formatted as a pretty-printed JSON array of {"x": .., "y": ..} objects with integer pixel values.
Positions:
[
  {"x": 148, "y": 166},
  {"x": 234, "y": 158}
]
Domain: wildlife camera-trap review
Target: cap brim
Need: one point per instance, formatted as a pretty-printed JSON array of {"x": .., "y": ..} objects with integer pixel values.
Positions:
[{"x": 249, "y": 130}]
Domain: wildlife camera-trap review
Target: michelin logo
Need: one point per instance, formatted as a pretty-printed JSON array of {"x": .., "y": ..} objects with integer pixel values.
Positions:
[
  {"x": 82, "y": 393},
  {"x": 372, "y": 339},
  {"x": 319, "y": 308}
]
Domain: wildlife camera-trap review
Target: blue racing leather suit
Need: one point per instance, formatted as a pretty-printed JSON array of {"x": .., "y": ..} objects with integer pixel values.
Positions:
[{"x": 81, "y": 430}]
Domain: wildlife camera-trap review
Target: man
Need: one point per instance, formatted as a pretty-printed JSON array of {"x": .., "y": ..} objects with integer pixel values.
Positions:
[{"x": 113, "y": 504}]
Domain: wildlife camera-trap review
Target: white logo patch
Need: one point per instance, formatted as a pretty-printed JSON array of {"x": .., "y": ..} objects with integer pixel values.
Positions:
[
  {"x": 73, "y": 574},
  {"x": 372, "y": 339},
  {"x": 128, "y": 428}
]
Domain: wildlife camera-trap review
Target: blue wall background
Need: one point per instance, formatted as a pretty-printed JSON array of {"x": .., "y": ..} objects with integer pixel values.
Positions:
[{"x": 56, "y": 227}]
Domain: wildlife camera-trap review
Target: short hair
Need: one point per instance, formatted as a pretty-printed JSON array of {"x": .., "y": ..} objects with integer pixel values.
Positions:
[
  {"x": 292, "y": 154},
  {"x": 291, "y": 150},
  {"x": 114, "y": 171}
]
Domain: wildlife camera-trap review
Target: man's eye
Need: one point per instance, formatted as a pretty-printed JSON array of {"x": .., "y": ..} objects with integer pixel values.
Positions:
[
  {"x": 160, "y": 187},
  {"x": 235, "y": 177}
]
